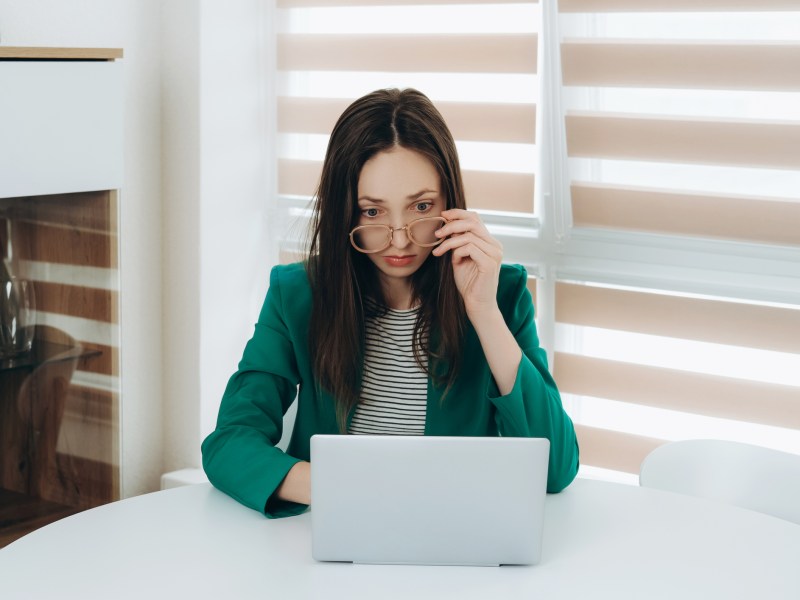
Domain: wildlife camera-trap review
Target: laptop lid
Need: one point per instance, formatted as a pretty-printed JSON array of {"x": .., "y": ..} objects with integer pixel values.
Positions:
[{"x": 428, "y": 500}]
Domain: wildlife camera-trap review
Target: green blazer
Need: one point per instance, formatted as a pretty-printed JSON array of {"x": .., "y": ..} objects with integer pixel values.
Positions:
[{"x": 240, "y": 457}]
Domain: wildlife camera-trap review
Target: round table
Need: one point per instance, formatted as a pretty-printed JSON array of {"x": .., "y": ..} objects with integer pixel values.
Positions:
[{"x": 601, "y": 540}]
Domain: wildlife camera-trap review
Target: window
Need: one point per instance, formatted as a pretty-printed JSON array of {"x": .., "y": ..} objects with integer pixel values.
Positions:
[
  {"x": 640, "y": 157},
  {"x": 476, "y": 61}
]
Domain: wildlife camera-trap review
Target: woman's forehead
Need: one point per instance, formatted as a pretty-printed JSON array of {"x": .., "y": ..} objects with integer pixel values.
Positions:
[{"x": 398, "y": 175}]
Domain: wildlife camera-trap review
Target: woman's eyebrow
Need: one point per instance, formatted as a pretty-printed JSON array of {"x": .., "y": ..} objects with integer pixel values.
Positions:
[
  {"x": 415, "y": 196},
  {"x": 422, "y": 193}
]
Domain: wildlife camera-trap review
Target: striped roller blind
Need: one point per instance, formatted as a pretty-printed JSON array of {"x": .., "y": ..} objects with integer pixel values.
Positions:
[
  {"x": 684, "y": 117},
  {"x": 640, "y": 367},
  {"x": 477, "y": 61}
]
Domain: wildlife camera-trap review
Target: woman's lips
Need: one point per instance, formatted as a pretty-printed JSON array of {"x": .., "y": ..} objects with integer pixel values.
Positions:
[{"x": 399, "y": 261}]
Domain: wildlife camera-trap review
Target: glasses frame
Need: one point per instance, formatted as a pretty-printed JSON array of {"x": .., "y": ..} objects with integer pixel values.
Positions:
[{"x": 391, "y": 230}]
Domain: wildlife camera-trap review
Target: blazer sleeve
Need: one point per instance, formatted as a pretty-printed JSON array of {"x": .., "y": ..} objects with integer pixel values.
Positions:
[
  {"x": 533, "y": 407},
  {"x": 239, "y": 456}
]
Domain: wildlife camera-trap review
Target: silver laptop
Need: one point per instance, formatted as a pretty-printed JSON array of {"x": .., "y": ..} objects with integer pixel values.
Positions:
[{"x": 428, "y": 500}]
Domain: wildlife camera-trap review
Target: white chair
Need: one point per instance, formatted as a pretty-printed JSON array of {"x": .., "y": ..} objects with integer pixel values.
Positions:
[{"x": 748, "y": 476}]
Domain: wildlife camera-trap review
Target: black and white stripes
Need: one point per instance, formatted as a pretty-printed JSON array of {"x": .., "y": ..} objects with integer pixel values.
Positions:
[{"x": 394, "y": 388}]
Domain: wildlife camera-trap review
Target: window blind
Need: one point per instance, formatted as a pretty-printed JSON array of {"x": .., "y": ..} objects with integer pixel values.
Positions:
[
  {"x": 640, "y": 367},
  {"x": 682, "y": 120},
  {"x": 684, "y": 117},
  {"x": 477, "y": 61}
]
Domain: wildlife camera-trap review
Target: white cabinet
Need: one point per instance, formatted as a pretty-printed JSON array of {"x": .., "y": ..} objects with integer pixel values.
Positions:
[
  {"x": 61, "y": 168},
  {"x": 61, "y": 125}
]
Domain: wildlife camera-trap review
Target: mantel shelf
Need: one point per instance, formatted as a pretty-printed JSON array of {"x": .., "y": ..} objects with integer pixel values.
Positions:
[{"x": 46, "y": 53}]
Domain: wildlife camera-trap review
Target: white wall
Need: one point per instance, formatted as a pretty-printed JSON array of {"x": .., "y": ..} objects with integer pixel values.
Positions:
[
  {"x": 217, "y": 249},
  {"x": 181, "y": 266}
]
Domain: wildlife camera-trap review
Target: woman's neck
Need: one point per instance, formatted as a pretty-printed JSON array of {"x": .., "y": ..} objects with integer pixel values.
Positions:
[{"x": 397, "y": 293}]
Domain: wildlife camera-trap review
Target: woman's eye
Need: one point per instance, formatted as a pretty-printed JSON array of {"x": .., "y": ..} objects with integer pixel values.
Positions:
[
  {"x": 370, "y": 212},
  {"x": 424, "y": 206}
]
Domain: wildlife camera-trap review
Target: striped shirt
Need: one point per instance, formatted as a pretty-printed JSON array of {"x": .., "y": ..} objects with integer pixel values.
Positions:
[{"x": 394, "y": 389}]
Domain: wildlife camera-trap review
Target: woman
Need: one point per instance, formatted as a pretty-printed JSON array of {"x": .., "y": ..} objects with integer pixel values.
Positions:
[{"x": 402, "y": 320}]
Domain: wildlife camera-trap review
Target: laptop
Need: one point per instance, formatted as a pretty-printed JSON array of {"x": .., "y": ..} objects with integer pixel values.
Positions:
[{"x": 426, "y": 500}]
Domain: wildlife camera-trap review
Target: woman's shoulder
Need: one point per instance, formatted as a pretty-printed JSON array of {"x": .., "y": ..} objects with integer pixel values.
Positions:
[
  {"x": 291, "y": 279},
  {"x": 291, "y": 276},
  {"x": 289, "y": 291},
  {"x": 512, "y": 277},
  {"x": 512, "y": 288}
]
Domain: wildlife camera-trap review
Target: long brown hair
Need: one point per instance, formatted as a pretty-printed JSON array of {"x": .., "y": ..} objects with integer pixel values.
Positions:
[{"x": 342, "y": 278}]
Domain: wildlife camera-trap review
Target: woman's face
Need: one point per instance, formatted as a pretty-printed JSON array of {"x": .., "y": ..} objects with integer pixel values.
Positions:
[{"x": 394, "y": 188}]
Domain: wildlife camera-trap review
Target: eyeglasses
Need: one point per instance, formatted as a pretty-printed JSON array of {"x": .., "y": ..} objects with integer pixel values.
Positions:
[{"x": 374, "y": 238}]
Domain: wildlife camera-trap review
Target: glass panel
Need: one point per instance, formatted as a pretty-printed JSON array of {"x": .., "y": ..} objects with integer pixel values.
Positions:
[{"x": 59, "y": 399}]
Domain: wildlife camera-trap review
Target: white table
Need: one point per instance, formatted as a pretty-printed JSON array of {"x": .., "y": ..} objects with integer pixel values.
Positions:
[{"x": 602, "y": 540}]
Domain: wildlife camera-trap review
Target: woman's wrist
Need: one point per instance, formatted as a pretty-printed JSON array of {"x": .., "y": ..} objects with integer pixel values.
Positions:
[
  {"x": 485, "y": 317},
  {"x": 296, "y": 486},
  {"x": 500, "y": 348}
]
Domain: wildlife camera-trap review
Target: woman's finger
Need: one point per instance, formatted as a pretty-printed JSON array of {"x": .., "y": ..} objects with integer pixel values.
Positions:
[
  {"x": 458, "y": 241},
  {"x": 472, "y": 252},
  {"x": 469, "y": 223}
]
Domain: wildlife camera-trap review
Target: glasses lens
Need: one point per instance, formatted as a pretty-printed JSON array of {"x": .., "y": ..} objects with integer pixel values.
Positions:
[
  {"x": 371, "y": 238},
  {"x": 423, "y": 231}
]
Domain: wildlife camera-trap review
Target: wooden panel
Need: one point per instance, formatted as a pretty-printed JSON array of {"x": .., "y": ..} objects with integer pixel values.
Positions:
[
  {"x": 613, "y": 450},
  {"x": 32, "y": 413},
  {"x": 88, "y": 303},
  {"x": 717, "y": 321},
  {"x": 696, "y": 393},
  {"x": 51, "y": 53},
  {"x": 91, "y": 403},
  {"x": 686, "y": 213},
  {"x": 486, "y": 190},
  {"x": 710, "y": 142},
  {"x": 93, "y": 211},
  {"x": 93, "y": 482},
  {"x": 106, "y": 363},
  {"x": 69, "y": 231},
  {"x": 452, "y": 53},
  {"x": 674, "y": 5},
  {"x": 20, "y": 514},
  {"x": 706, "y": 65},
  {"x": 66, "y": 245},
  {"x": 90, "y": 430},
  {"x": 474, "y": 121}
]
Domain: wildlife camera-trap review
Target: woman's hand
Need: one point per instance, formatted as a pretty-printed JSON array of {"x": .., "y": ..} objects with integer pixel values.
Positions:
[{"x": 476, "y": 257}]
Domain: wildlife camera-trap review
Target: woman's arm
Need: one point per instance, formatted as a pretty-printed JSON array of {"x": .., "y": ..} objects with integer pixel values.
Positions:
[
  {"x": 239, "y": 456},
  {"x": 477, "y": 257},
  {"x": 529, "y": 404},
  {"x": 501, "y": 349},
  {"x": 533, "y": 407}
]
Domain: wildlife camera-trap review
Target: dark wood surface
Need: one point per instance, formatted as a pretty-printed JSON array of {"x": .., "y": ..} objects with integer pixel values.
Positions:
[{"x": 21, "y": 514}]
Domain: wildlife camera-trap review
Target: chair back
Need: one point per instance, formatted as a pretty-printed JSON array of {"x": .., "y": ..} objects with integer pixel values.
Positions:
[{"x": 744, "y": 475}]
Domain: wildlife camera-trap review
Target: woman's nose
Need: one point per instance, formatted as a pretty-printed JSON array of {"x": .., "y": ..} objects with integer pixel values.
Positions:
[{"x": 400, "y": 238}]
